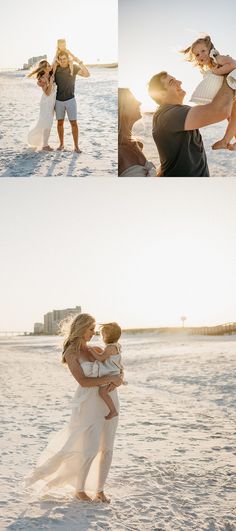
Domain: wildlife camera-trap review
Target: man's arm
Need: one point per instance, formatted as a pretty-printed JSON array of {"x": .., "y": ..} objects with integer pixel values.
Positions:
[
  {"x": 216, "y": 111},
  {"x": 83, "y": 70}
]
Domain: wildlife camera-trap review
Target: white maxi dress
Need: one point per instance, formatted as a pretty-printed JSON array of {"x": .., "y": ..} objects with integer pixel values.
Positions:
[
  {"x": 79, "y": 456},
  {"x": 39, "y": 135}
]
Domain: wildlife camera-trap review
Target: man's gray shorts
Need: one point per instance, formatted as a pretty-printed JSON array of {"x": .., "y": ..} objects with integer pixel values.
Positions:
[{"x": 68, "y": 106}]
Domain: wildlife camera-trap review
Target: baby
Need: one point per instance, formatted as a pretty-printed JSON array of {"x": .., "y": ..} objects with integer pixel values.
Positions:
[
  {"x": 110, "y": 362},
  {"x": 213, "y": 66}
]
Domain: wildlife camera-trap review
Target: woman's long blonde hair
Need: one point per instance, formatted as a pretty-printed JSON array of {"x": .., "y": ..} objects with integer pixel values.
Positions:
[
  {"x": 38, "y": 69},
  {"x": 123, "y": 106},
  {"x": 73, "y": 328},
  {"x": 189, "y": 54}
]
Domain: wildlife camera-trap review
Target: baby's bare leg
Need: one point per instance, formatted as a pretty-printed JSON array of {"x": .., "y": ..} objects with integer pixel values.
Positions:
[
  {"x": 104, "y": 394},
  {"x": 71, "y": 66},
  {"x": 224, "y": 143}
]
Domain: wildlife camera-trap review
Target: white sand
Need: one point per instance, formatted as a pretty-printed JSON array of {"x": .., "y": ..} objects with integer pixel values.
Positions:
[
  {"x": 173, "y": 466},
  {"x": 97, "y": 116},
  {"x": 222, "y": 163}
]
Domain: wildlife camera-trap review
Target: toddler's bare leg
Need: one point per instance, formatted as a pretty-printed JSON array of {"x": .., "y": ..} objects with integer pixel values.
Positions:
[
  {"x": 224, "y": 143},
  {"x": 104, "y": 394}
]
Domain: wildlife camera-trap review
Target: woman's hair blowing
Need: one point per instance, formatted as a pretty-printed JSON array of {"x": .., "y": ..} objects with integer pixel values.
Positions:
[{"x": 73, "y": 328}]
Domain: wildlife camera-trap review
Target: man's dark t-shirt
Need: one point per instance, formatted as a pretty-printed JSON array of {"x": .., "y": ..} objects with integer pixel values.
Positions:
[
  {"x": 182, "y": 153},
  {"x": 65, "y": 82}
]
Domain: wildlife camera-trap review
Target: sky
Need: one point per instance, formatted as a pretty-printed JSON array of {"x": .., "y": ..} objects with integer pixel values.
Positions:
[
  {"x": 151, "y": 33},
  {"x": 28, "y": 29},
  {"x": 140, "y": 252}
]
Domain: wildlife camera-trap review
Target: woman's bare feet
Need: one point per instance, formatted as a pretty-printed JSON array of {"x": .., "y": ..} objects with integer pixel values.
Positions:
[
  {"x": 60, "y": 148},
  {"x": 82, "y": 496},
  {"x": 232, "y": 147},
  {"x": 77, "y": 150},
  {"x": 101, "y": 497},
  {"x": 221, "y": 144},
  {"x": 111, "y": 415},
  {"x": 47, "y": 148}
]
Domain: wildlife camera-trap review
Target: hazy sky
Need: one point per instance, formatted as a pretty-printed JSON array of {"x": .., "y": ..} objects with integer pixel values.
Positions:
[
  {"x": 142, "y": 252},
  {"x": 152, "y": 31},
  {"x": 31, "y": 29}
]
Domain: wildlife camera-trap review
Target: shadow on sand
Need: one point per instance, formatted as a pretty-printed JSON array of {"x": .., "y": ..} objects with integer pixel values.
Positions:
[
  {"x": 30, "y": 163},
  {"x": 63, "y": 514}
]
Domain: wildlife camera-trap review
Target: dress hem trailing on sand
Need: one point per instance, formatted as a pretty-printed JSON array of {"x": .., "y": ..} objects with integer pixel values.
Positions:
[{"x": 79, "y": 456}]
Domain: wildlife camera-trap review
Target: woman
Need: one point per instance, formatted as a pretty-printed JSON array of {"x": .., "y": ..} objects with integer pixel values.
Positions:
[
  {"x": 80, "y": 455},
  {"x": 39, "y": 135},
  {"x": 132, "y": 161}
]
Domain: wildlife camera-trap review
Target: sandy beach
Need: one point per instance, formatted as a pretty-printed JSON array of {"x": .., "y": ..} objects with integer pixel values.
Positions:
[
  {"x": 97, "y": 117},
  {"x": 173, "y": 466},
  {"x": 222, "y": 163}
]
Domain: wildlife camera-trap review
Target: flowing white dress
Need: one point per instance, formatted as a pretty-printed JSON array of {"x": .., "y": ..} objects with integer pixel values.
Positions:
[
  {"x": 79, "y": 456},
  {"x": 39, "y": 135}
]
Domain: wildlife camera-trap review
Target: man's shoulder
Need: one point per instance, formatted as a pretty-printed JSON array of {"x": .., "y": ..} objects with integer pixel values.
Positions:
[{"x": 168, "y": 112}]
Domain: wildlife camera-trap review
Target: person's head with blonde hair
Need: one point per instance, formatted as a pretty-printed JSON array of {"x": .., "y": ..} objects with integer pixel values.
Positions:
[
  {"x": 128, "y": 113},
  {"x": 110, "y": 332},
  {"x": 42, "y": 65},
  {"x": 199, "y": 51},
  {"x": 77, "y": 331}
]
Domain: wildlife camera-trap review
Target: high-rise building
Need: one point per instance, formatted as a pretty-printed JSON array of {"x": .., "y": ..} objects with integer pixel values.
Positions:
[
  {"x": 38, "y": 328},
  {"x": 52, "y": 319},
  {"x": 33, "y": 60}
]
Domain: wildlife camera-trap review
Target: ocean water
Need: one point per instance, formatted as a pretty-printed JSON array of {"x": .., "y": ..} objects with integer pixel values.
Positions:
[
  {"x": 97, "y": 118},
  {"x": 174, "y": 459}
]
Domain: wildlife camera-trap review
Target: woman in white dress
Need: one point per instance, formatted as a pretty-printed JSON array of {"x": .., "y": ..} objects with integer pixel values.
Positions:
[
  {"x": 78, "y": 458},
  {"x": 131, "y": 159},
  {"x": 38, "y": 137}
]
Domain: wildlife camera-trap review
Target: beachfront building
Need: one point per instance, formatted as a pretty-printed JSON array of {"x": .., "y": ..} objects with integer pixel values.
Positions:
[
  {"x": 33, "y": 60},
  {"x": 38, "y": 328},
  {"x": 52, "y": 319}
]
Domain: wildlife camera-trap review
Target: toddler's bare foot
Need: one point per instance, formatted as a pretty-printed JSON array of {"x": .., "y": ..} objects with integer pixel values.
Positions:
[
  {"x": 82, "y": 496},
  {"x": 232, "y": 147},
  {"x": 60, "y": 148},
  {"x": 47, "y": 148},
  {"x": 101, "y": 497},
  {"x": 77, "y": 150},
  {"x": 221, "y": 144},
  {"x": 111, "y": 415}
]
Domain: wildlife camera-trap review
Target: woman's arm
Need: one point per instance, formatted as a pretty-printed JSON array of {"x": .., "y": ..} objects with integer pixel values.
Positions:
[{"x": 84, "y": 381}]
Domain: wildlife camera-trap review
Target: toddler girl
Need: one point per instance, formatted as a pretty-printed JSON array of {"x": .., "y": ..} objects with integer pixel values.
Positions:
[
  {"x": 109, "y": 362},
  {"x": 61, "y": 47},
  {"x": 213, "y": 66}
]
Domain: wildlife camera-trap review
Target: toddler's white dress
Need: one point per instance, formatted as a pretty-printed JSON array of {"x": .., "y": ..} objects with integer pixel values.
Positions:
[
  {"x": 43, "y": 126},
  {"x": 79, "y": 456},
  {"x": 211, "y": 83}
]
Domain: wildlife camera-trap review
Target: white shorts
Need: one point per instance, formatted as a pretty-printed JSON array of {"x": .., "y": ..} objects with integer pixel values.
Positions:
[{"x": 68, "y": 106}]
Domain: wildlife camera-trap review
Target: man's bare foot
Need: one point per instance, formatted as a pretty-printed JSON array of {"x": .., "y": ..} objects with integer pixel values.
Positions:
[
  {"x": 60, "y": 148},
  {"x": 47, "y": 148},
  {"x": 101, "y": 497},
  {"x": 221, "y": 144},
  {"x": 82, "y": 496},
  {"x": 111, "y": 415},
  {"x": 77, "y": 150},
  {"x": 232, "y": 147}
]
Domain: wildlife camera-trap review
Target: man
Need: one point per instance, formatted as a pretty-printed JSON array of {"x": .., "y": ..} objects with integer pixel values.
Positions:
[
  {"x": 65, "y": 98},
  {"x": 175, "y": 126}
]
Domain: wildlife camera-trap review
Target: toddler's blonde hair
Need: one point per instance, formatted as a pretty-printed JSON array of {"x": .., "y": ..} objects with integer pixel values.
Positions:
[
  {"x": 112, "y": 332},
  {"x": 189, "y": 54}
]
